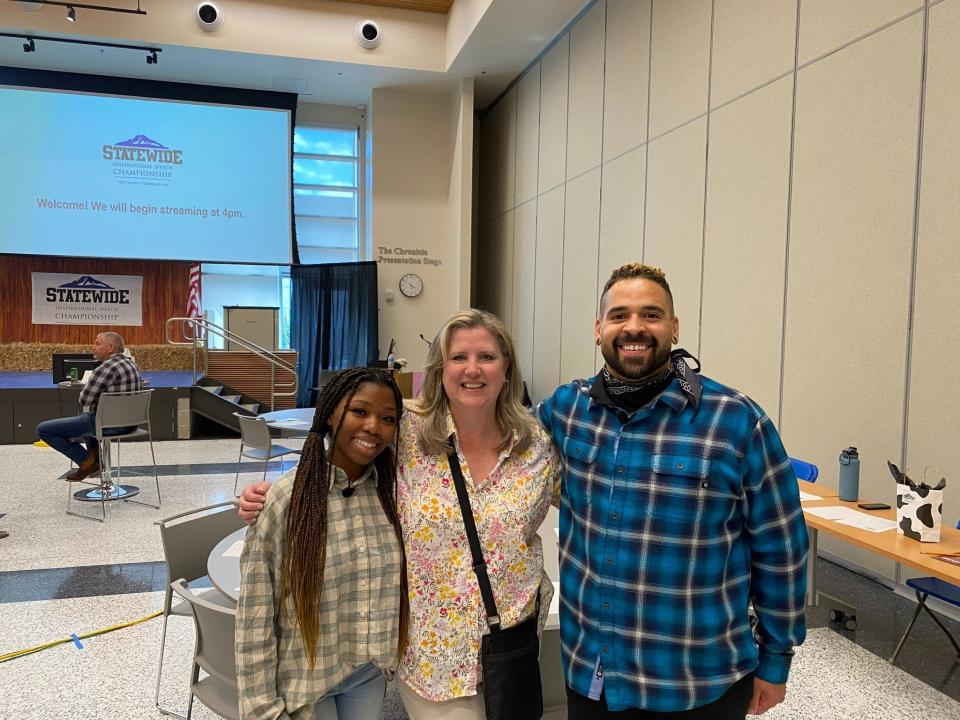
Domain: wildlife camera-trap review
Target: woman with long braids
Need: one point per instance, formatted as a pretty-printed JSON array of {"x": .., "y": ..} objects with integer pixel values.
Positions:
[
  {"x": 319, "y": 617},
  {"x": 471, "y": 405}
]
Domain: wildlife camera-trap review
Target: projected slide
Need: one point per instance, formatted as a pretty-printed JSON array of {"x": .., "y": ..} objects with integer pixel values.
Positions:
[{"x": 101, "y": 176}]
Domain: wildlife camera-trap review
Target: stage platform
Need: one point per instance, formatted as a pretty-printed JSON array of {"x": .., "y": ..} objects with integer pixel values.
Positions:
[
  {"x": 28, "y": 398},
  {"x": 44, "y": 379}
]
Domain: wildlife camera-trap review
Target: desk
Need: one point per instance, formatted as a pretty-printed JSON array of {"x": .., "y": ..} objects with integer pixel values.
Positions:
[
  {"x": 224, "y": 570},
  {"x": 888, "y": 543},
  {"x": 292, "y": 423}
]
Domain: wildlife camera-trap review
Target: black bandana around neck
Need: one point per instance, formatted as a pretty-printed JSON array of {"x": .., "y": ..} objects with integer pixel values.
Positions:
[{"x": 631, "y": 395}]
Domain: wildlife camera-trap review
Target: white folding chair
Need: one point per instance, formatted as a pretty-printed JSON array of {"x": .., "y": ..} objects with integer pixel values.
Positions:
[
  {"x": 188, "y": 539},
  {"x": 213, "y": 653},
  {"x": 256, "y": 443}
]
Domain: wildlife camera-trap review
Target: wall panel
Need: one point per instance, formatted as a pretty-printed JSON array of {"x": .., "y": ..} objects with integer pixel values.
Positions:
[
  {"x": 626, "y": 76},
  {"x": 553, "y": 116},
  {"x": 850, "y": 254},
  {"x": 827, "y": 24},
  {"x": 524, "y": 278},
  {"x": 548, "y": 294},
  {"x": 934, "y": 405},
  {"x": 528, "y": 135},
  {"x": 753, "y": 42},
  {"x": 581, "y": 236},
  {"x": 674, "y": 224},
  {"x": 585, "y": 113},
  {"x": 506, "y": 151},
  {"x": 679, "y": 63},
  {"x": 745, "y": 244}
]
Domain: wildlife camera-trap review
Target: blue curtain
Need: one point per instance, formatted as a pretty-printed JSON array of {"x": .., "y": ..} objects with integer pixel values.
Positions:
[{"x": 333, "y": 320}]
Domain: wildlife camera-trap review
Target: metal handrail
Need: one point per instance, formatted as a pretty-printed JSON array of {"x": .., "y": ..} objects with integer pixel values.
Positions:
[{"x": 199, "y": 329}]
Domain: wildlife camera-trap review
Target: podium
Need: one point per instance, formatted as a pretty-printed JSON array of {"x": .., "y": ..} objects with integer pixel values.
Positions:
[{"x": 404, "y": 381}]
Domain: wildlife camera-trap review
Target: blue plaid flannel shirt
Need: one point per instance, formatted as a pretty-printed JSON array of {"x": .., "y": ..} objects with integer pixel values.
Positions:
[{"x": 672, "y": 520}]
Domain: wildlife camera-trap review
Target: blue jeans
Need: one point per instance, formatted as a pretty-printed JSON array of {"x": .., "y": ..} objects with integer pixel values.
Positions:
[
  {"x": 358, "y": 697},
  {"x": 60, "y": 433}
]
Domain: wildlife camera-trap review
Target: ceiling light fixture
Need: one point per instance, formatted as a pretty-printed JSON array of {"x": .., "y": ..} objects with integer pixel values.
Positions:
[
  {"x": 72, "y": 8},
  {"x": 29, "y": 45}
]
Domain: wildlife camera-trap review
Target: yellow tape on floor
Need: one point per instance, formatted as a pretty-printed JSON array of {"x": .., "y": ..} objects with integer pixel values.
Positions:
[{"x": 75, "y": 638}]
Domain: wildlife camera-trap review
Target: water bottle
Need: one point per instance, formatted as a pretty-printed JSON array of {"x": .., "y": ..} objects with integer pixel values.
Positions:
[
  {"x": 849, "y": 475},
  {"x": 391, "y": 359}
]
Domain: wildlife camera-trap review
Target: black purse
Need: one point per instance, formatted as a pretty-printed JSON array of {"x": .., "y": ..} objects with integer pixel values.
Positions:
[{"x": 510, "y": 657}]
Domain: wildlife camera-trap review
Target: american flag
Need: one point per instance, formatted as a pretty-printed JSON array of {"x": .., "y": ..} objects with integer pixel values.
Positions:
[{"x": 193, "y": 295}]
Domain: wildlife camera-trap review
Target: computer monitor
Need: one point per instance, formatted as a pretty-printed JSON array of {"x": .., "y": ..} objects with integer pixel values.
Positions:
[{"x": 64, "y": 362}]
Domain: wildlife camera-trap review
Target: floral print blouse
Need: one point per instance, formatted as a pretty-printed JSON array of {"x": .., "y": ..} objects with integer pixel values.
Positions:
[{"x": 447, "y": 619}]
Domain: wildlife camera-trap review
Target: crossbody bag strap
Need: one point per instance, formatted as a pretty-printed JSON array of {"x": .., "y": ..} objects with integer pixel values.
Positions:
[{"x": 479, "y": 564}]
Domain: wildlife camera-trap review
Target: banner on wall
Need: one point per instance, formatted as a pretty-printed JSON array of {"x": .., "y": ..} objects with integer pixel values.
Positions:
[{"x": 69, "y": 299}]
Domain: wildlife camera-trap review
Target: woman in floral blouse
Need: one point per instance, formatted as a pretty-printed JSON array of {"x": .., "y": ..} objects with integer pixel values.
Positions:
[{"x": 472, "y": 394}]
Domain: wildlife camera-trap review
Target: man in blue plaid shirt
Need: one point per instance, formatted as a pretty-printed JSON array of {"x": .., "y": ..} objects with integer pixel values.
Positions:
[
  {"x": 679, "y": 508},
  {"x": 116, "y": 373}
]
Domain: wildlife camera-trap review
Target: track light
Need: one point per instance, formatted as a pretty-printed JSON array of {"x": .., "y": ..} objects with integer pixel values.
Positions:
[
  {"x": 72, "y": 7},
  {"x": 30, "y": 46}
]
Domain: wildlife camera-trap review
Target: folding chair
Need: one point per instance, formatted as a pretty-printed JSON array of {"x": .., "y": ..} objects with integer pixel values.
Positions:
[
  {"x": 117, "y": 411},
  {"x": 213, "y": 653},
  {"x": 256, "y": 443},
  {"x": 925, "y": 587},
  {"x": 804, "y": 470},
  {"x": 187, "y": 543}
]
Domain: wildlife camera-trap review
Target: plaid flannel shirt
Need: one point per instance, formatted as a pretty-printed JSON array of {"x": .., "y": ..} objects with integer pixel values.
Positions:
[
  {"x": 672, "y": 520},
  {"x": 359, "y": 606},
  {"x": 117, "y": 373}
]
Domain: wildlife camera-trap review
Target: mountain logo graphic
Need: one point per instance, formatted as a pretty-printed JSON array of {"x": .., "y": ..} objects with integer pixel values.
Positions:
[
  {"x": 88, "y": 283},
  {"x": 141, "y": 149},
  {"x": 141, "y": 141}
]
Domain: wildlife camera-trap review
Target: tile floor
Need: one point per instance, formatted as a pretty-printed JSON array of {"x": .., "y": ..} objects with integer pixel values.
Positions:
[{"x": 61, "y": 575}]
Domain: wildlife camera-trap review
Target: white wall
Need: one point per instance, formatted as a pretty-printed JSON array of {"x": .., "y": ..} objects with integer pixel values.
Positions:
[
  {"x": 422, "y": 184},
  {"x": 772, "y": 172}
]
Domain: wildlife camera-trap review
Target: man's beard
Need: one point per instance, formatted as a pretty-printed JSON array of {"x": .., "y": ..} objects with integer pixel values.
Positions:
[{"x": 636, "y": 369}]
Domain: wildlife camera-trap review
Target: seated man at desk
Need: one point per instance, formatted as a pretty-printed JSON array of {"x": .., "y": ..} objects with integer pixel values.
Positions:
[{"x": 117, "y": 373}]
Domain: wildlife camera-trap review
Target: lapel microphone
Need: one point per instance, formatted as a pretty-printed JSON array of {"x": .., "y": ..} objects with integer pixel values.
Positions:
[{"x": 348, "y": 491}]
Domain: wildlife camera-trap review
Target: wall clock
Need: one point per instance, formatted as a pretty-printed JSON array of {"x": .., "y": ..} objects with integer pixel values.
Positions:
[{"x": 411, "y": 285}]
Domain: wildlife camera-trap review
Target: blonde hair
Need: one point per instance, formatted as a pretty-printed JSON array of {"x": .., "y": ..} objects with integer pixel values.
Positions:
[{"x": 512, "y": 417}]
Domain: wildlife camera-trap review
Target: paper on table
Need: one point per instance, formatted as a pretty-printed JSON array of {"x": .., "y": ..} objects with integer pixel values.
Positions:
[
  {"x": 234, "y": 550},
  {"x": 869, "y": 522},
  {"x": 833, "y": 512},
  {"x": 555, "y": 601},
  {"x": 808, "y": 496},
  {"x": 847, "y": 516}
]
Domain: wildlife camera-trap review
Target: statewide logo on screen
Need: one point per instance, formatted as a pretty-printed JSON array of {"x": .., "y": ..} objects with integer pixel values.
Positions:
[
  {"x": 87, "y": 289},
  {"x": 141, "y": 160}
]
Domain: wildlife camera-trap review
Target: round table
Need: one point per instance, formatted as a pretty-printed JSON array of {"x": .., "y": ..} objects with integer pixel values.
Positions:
[
  {"x": 295, "y": 422},
  {"x": 224, "y": 568}
]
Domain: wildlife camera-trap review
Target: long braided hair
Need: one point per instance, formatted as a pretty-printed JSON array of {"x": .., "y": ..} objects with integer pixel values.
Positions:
[{"x": 303, "y": 562}]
